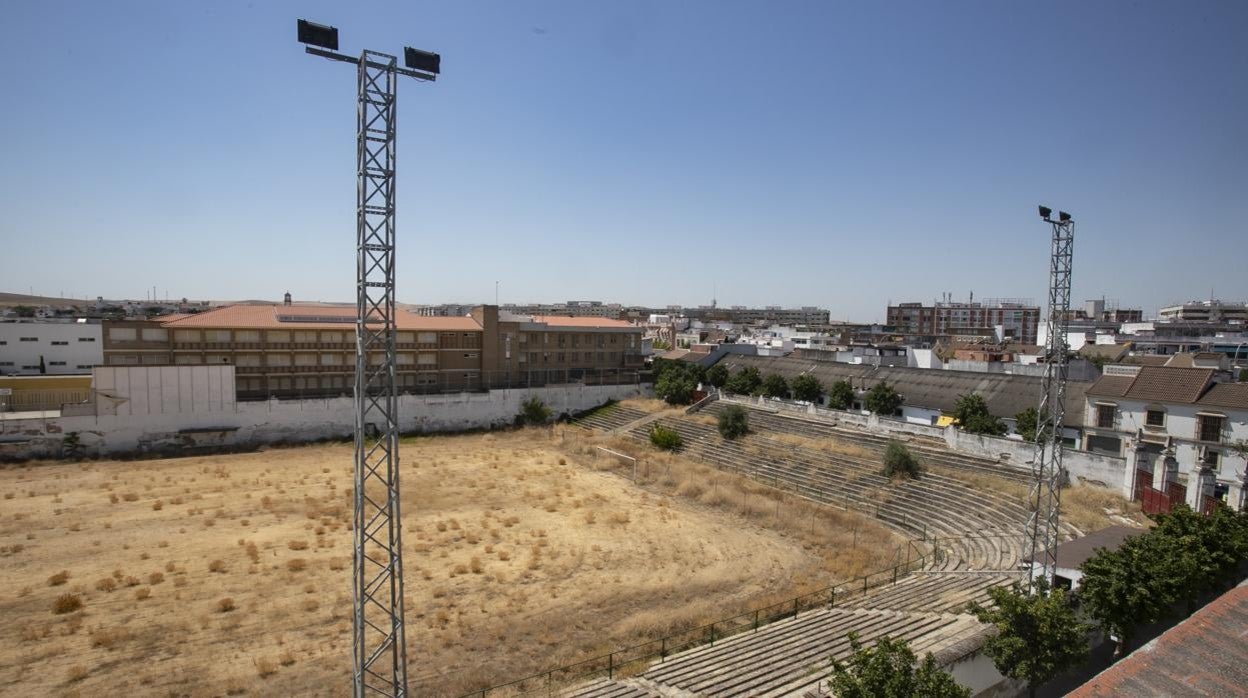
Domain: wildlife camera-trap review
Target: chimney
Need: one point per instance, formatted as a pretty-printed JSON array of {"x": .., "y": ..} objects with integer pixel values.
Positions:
[{"x": 286, "y": 299}]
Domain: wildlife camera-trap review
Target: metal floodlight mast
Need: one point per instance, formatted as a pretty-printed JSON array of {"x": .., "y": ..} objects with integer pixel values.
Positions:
[
  {"x": 1047, "y": 473},
  {"x": 379, "y": 647}
]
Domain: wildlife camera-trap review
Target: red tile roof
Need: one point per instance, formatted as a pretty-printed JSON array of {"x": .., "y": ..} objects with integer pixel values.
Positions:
[
  {"x": 296, "y": 317},
  {"x": 1232, "y": 395},
  {"x": 588, "y": 322},
  {"x": 1202, "y": 656},
  {"x": 1156, "y": 384}
]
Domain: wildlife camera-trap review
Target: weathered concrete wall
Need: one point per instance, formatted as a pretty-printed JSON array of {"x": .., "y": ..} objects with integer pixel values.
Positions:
[{"x": 246, "y": 424}]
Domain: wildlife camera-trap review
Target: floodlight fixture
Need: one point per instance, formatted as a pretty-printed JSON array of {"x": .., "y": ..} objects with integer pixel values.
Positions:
[
  {"x": 318, "y": 35},
  {"x": 424, "y": 61},
  {"x": 1045, "y": 212},
  {"x": 1063, "y": 216}
]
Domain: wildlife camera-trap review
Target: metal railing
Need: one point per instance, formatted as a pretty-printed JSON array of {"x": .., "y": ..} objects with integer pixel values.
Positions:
[{"x": 630, "y": 658}]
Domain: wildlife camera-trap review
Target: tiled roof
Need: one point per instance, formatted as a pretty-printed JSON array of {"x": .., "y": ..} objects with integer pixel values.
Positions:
[
  {"x": 1202, "y": 656},
  {"x": 298, "y": 317},
  {"x": 171, "y": 317},
  {"x": 1169, "y": 384},
  {"x": 1146, "y": 360},
  {"x": 588, "y": 322},
  {"x": 1180, "y": 360},
  {"x": 1113, "y": 352},
  {"x": 1111, "y": 386},
  {"x": 1232, "y": 395}
]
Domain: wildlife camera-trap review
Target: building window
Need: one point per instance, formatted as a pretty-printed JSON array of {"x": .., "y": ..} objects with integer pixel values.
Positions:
[
  {"x": 305, "y": 359},
  {"x": 1105, "y": 416},
  {"x": 247, "y": 360},
  {"x": 331, "y": 359},
  {"x": 331, "y": 337},
  {"x": 277, "y": 336},
  {"x": 427, "y": 337},
  {"x": 1155, "y": 418},
  {"x": 155, "y": 334},
  {"x": 1210, "y": 458},
  {"x": 62, "y": 343},
  {"x": 305, "y": 337},
  {"x": 277, "y": 359},
  {"x": 85, "y": 366},
  {"x": 36, "y": 339},
  {"x": 6, "y": 363},
  {"x": 427, "y": 360},
  {"x": 187, "y": 359},
  {"x": 405, "y": 337},
  {"x": 155, "y": 359},
  {"x": 186, "y": 335},
  {"x": 56, "y": 363},
  {"x": 472, "y": 355},
  {"x": 247, "y": 335},
  {"x": 1209, "y": 427},
  {"x": 216, "y": 335}
]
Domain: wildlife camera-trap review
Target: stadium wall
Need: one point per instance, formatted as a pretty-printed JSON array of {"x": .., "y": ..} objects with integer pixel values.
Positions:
[
  {"x": 239, "y": 425},
  {"x": 1084, "y": 467}
]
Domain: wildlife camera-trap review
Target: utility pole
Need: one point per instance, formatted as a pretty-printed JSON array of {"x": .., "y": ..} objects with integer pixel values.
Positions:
[
  {"x": 379, "y": 647},
  {"x": 1045, "y": 499}
]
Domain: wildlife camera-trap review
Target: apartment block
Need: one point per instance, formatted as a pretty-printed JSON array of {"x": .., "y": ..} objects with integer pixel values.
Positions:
[
  {"x": 1019, "y": 321},
  {"x": 309, "y": 351},
  {"x": 50, "y": 347}
]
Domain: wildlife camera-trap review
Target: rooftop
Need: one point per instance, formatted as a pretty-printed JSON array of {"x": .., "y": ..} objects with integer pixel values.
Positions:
[
  {"x": 1156, "y": 384},
  {"x": 1202, "y": 656},
  {"x": 302, "y": 317},
  {"x": 1073, "y": 553}
]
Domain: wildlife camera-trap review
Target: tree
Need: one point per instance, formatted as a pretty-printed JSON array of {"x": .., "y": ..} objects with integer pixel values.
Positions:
[
  {"x": 734, "y": 421},
  {"x": 888, "y": 670},
  {"x": 71, "y": 445},
  {"x": 717, "y": 375},
  {"x": 665, "y": 438},
  {"x": 533, "y": 412},
  {"x": 841, "y": 396},
  {"x": 1026, "y": 423},
  {"x": 882, "y": 399},
  {"x": 24, "y": 311},
  {"x": 675, "y": 386},
  {"x": 1127, "y": 587},
  {"x": 807, "y": 388},
  {"x": 1038, "y": 635},
  {"x": 1243, "y": 375},
  {"x": 971, "y": 413},
  {"x": 744, "y": 382},
  {"x": 899, "y": 461},
  {"x": 774, "y": 385}
]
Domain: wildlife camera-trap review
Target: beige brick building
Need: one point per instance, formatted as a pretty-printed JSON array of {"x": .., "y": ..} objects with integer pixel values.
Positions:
[{"x": 309, "y": 351}]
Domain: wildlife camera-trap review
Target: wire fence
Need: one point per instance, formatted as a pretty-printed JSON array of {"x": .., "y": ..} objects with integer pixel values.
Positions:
[{"x": 629, "y": 660}]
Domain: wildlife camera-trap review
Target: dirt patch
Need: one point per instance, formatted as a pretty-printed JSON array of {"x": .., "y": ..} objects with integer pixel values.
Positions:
[{"x": 230, "y": 574}]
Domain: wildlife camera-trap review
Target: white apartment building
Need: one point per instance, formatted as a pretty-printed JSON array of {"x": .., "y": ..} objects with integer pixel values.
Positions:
[
  {"x": 59, "y": 347},
  {"x": 1176, "y": 428}
]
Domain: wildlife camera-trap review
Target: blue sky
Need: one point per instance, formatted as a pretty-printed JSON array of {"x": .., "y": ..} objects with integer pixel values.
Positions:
[{"x": 840, "y": 154}]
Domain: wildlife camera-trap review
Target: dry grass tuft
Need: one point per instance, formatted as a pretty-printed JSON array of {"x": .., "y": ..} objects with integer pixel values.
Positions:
[
  {"x": 265, "y": 667},
  {"x": 58, "y": 579},
  {"x": 216, "y": 566},
  {"x": 297, "y": 545},
  {"x": 225, "y": 605},
  {"x": 76, "y": 673},
  {"x": 296, "y": 564},
  {"x": 66, "y": 603},
  {"x": 106, "y": 584}
]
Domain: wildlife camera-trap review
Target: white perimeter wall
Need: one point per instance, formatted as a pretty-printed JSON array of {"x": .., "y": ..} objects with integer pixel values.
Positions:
[
  {"x": 151, "y": 390},
  {"x": 245, "y": 424},
  {"x": 1083, "y": 467}
]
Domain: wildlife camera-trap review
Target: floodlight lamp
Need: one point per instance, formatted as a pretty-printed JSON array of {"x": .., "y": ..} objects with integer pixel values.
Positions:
[
  {"x": 424, "y": 61},
  {"x": 1045, "y": 211},
  {"x": 318, "y": 35},
  {"x": 1063, "y": 216}
]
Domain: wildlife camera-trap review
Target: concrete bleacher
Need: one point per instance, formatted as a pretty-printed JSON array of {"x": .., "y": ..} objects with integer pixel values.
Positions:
[
  {"x": 974, "y": 535},
  {"x": 609, "y": 417}
]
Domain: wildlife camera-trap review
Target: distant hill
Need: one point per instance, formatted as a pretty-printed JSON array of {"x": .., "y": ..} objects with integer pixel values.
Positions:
[{"x": 23, "y": 299}]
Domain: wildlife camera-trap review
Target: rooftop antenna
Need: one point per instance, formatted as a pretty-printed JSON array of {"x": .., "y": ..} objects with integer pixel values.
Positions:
[{"x": 379, "y": 647}]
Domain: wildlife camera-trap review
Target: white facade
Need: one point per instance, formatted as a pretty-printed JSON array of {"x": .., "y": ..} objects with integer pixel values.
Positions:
[{"x": 65, "y": 347}]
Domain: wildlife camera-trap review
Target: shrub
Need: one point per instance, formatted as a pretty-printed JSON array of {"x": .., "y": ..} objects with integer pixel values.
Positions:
[
  {"x": 296, "y": 564},
  {"x": 665, "y": 438},
  {"x": 106, "y": 584},
  {"x": 76, "y": 673},
  {"x": 898, "y": 461},
  {"x": 225, "y": 605},
  {"x": 67, "y": 603},
  {"x": 265, "y": 667},
  {"x": 297, "y": 545},
  {"x": 533, "y": 412},
  {"x": 677, "y": 382},
  {"x": 142, "y": 593},
  {"x": 734, "y": 421},
  {"x": 216, "y": 566},
  {"x": 155, "y": 578},
  {"x": 883, "y": 399},
  {"x": 58, "y": 579},
  {"x": 841, "y": 395}
]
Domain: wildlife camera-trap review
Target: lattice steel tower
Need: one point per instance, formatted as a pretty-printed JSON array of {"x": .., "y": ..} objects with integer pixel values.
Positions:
[
  {"x": 1042, "y": 524},
  {"x": 379, "y": 648}
]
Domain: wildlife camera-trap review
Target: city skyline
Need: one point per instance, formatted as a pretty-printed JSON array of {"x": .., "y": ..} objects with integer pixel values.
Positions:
[{"x": 851, "y": 157}]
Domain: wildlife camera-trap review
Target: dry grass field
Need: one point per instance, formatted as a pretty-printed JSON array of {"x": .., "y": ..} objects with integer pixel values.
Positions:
[{"x": 229, "y": 575}]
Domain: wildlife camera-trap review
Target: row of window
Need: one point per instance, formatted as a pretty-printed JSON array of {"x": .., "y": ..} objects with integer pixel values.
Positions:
[
  {"x": 560, "y": 357},
  {"x": 254, "y": 360},
  {"x": 54, "y": 342},
  {"x": 343, "y": 382},
  {"x": 156, "y": 334},
  {"x": 1208, "y": 427}
]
